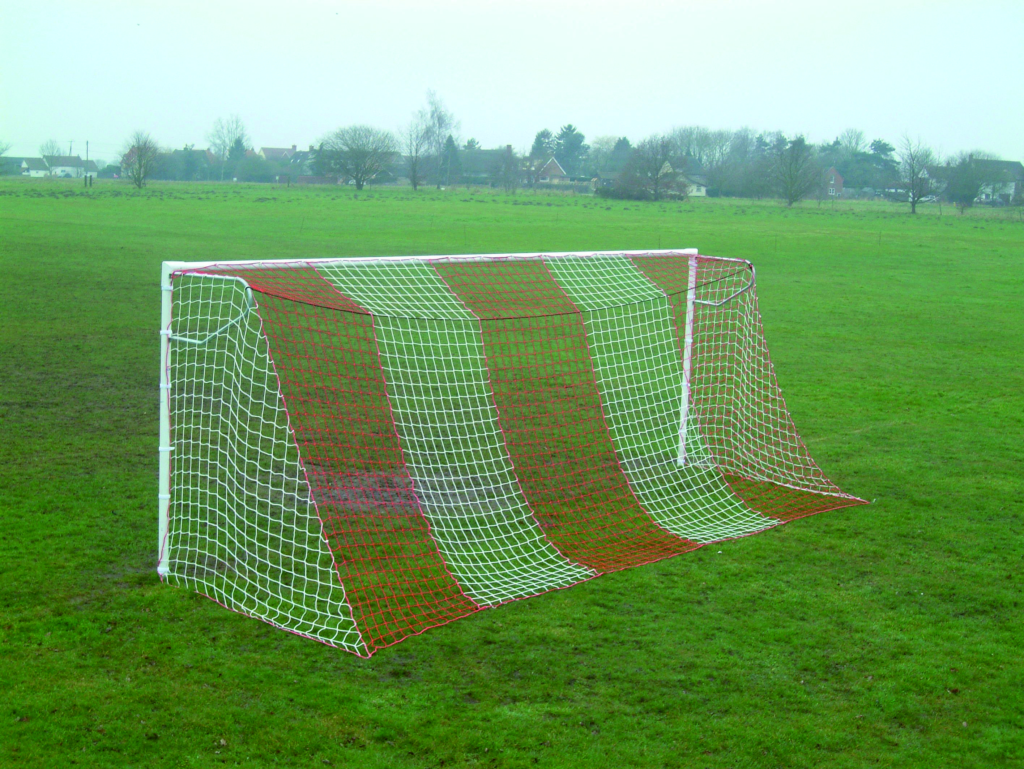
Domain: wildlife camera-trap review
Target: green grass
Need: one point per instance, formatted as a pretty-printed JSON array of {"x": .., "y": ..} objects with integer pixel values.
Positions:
[{"x": 885, "y": 635}]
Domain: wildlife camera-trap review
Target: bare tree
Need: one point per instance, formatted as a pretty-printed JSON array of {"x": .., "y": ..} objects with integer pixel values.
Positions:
[
  {"x": 852, "y": 141},
  {"x": 508, "y": 170},
  {"x": 704, "y": 151},
  {"x": 440, "y": 124},
  {"x": 794, "y": 171},
  {"x": 51, "y": 147},
  {"x": 649, "y": 174},
  {"x": 705, "y": 148},
  {"x": 359, "y": 152},
  {"x": 740, "y": 172},
  {"x": 686, "y": 140},
  {"x": 601, "y": 150},
  {"x": 414, "y": 144},
  {"x": 4, "y": 146},
  {"x": 226, "y": 133},
  {"x": 915, "y": 158},
  {"x": 139, "y": 157}
]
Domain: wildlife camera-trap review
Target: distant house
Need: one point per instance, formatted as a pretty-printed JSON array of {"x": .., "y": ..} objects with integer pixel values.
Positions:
[
  {"x": 548, "y": 171},
  {"x": 696, "y": 186},
  {"x": 10, "y": 165},
  {"x": 186, "y": 165},
  {"x": 278, "y": 154},
  {"x": 298, "y": 162},
  {"x": 65, "y": 166},
  {"x": 833, "y": 184},
  {"x": 202, "y": 156},
  {"x": 1004, "y": 180},
  {"x": 34, "y": 167}
]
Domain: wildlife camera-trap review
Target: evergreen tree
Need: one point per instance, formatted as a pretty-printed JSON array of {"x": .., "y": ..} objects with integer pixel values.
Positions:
[
  {"x": 570, "y": 149},
  {"x": 543, "y": 144},
  {"x": 237, "y": 150},
  {"x": 451, "y": 168}
]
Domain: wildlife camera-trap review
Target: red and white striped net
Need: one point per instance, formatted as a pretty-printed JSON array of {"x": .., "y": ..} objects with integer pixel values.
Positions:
[{"x": 365, "y": 449}]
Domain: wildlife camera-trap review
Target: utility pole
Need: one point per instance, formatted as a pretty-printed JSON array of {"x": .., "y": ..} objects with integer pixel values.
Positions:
[{"x": 71, "y": 145}]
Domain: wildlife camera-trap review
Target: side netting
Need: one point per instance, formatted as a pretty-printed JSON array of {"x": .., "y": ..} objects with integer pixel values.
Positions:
[
  {"x": 242, "y": 526},
  {"x": 364, "y": 450},
  {"x": 735, "y": 398}
]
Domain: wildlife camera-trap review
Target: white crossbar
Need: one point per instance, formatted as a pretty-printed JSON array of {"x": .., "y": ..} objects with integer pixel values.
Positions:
[{"x": 272, "y": 263}]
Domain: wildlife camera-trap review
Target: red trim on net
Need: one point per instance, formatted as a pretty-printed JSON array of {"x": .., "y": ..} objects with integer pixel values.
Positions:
[{"x": 551, "y": 415}]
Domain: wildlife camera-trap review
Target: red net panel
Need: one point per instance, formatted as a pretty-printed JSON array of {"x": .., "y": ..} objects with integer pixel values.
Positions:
[
  {"x": 325, "y": 354},
  {"x": 550, "y": 412}
]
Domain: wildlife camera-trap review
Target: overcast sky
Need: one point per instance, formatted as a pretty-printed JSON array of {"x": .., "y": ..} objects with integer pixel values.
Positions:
[{"x": 949, "y": 72}]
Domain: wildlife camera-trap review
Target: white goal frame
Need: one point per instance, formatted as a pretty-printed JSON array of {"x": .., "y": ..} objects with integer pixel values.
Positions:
[{"x": 358, "y": 449}]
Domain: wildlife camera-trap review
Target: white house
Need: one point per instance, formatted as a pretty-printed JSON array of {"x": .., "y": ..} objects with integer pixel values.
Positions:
[
  {"x": 696, "y": 186},
  {"x": 34, "y": 167},
  {"x": 1004, "y": 180},
  {"x": 65, "y": 166},
  {"x": 279, "y": 154}
]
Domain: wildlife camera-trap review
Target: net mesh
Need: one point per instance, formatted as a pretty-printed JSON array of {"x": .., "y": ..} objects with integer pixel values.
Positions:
[{"x": 363, "y": 450}]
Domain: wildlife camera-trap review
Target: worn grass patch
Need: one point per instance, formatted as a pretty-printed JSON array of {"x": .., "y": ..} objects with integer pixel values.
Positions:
[{"x": 888, "y": 634}]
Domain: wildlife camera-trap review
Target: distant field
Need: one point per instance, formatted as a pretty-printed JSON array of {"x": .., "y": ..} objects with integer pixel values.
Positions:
[{"x": 885, "y": 635}]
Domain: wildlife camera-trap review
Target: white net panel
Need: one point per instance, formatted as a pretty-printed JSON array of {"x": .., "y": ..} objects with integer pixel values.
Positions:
[
  {"x": 373, "y": 448},
  {"x": 243, "y": 528}
]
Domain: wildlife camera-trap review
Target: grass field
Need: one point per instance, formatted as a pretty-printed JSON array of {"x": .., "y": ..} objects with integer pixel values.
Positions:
[{"x": 886, "y": 635}]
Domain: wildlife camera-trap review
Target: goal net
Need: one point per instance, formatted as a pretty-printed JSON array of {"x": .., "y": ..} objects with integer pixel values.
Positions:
[{"x": 356, "y": 450}]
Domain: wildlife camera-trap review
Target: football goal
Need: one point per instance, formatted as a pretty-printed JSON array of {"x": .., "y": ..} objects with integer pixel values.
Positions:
[{"x": 356, "y": 450}]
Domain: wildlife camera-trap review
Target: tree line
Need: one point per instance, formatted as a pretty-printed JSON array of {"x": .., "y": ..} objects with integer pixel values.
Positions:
[{"x": 731, "y": 163}]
